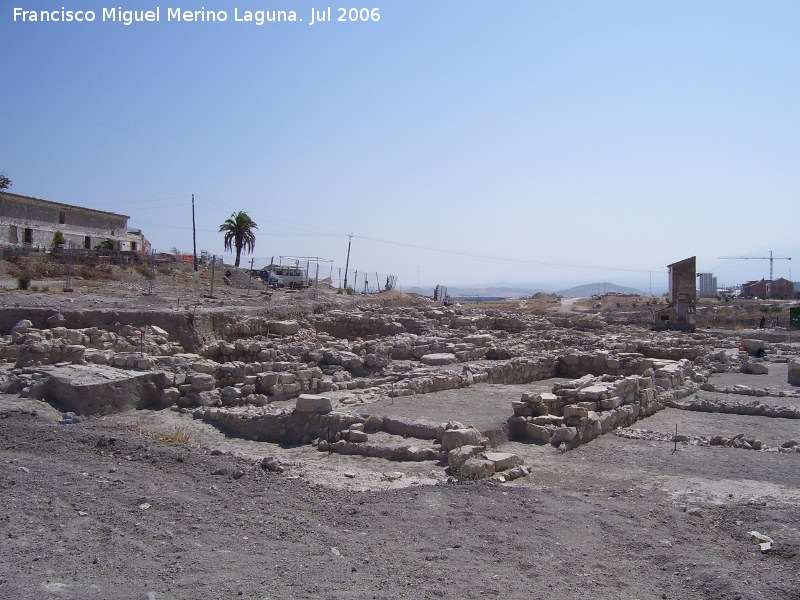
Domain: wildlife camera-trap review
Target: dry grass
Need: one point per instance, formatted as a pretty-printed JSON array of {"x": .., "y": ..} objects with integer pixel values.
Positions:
[
  {"x": 539, "y": 305},
  {"x": 175, "y": 435},
  {"x": 610, "y": 303}
]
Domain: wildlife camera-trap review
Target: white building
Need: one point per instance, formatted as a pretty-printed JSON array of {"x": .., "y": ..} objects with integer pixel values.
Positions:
[{"x": 708, "y": 284}]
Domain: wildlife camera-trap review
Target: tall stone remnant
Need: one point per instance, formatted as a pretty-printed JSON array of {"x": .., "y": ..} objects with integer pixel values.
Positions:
[
  {"x": 680, "y": 313},
  {"x": 794, "y": 372}
]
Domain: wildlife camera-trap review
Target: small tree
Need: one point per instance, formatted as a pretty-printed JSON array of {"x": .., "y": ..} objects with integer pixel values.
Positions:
[
  {"x": 5, "y": 182},
  {"x": 239, "y": 234},
  {"x": 58, "y": 239}
]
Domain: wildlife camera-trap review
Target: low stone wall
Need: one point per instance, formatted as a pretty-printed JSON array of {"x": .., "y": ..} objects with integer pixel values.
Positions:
[
  {"x": 342, "y": 324},
  {"x": 183, "y": 327},
  {"x": 284, "y": 427},
  {"x": 516, "y": 370},
  {"x": 578, "y": 364},
  {"x": 297, "y": 426},
  {"x": 754, "y": 408},
  {"x": 578, "y": 411}
]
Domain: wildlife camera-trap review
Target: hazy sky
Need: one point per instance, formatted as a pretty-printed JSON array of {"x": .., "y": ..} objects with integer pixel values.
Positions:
[{"x": 459, "y": 141}]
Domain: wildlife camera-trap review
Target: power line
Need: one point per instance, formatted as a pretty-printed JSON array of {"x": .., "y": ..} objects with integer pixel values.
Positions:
[{"x": 526, "y": 261}]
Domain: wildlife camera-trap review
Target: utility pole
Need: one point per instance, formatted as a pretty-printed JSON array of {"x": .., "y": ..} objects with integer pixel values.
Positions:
[
  {"x": 250, "y": 279},
  {"x": 194, "y": 236},
  {"x": 347, "y": 263}
]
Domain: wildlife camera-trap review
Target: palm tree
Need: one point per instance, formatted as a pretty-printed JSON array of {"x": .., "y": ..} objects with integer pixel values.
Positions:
[{"x": 239, "y": 234}]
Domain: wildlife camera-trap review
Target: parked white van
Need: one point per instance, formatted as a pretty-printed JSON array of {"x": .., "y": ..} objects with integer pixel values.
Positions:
[{"x": 291, "y": 277}]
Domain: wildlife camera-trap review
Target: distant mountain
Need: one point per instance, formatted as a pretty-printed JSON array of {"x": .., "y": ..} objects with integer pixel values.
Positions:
[
  {"x": 590, "y": 289},
  {"x": 482, "y": 291},
  {"x": 522, "y": 290}
]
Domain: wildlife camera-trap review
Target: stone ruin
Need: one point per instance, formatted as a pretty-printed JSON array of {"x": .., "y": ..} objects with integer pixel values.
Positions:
[{"x": 311, "y": 379}]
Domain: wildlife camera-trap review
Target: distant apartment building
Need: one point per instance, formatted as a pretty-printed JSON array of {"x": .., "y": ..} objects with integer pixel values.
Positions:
[
  {"x": 763, "y": 288},
  {"x": 32, "y": 223},
  {"x": 707, "y": 284}
]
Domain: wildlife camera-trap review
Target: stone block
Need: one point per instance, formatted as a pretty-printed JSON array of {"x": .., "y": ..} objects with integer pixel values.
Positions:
[
  {"x": 56, "y": 320},
  {"x": 563, "y": 434},
  {"x": 794, "y": 372},
  {"x": 548, "y": 398},
  {"x": 357, "y": 437},
  {"x": 537, "y": 433},
  {"x": 203, "y": 382},
  {"x": 610, "y": 403},
  {"x": 22, "y": 326},
  {"x": 477, "y": 468},
  {"x": 284, "y": 327},
  {"x": 284, "y": 378},
  {"x": 521, "y": 409},
  {"x": 95, "y": 389},
  {"x": 373, "y": 424},
  {"x": 311, "y": 403},
  {"x": 594, "y": 392},
  {"x": 754, "y": 368},
  {"x": 169, "y": 396},
  {"x": 547, "y": 420},
  {"x": 439, "y": 358},
  {"x": 458, "y": 456},
  {"x": 455, "y": 438},
  {"x": 753, "y": 346},
  {"x": 503, "y": 460},
  {"x": 265, "y": 381},
  {"x": 573, "y": 410}
]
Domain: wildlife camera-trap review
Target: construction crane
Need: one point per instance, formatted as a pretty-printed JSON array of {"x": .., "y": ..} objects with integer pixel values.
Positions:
[{"x": 770, "y": 258}]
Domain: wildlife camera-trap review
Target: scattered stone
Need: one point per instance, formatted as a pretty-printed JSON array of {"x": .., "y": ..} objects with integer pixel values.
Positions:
[
  {"x": 765, "y": 542},
  {"x": 270, "y": 463}
]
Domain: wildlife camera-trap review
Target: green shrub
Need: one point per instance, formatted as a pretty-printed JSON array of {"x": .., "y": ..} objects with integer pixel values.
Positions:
[
  {"x": 461, "y": 476},
  {"x": 349, "y": 291},
  {"x": 106, "y": 244},
  {"x": 58, "y": 239},
  {"x": 144, "y": 272},
  {"x": 23, "y": 281}
]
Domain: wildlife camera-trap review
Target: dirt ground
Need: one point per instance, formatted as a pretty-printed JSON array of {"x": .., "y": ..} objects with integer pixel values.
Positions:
[
  {"x": 123, "y": 507},
  {"x": 96, "y": 510}
]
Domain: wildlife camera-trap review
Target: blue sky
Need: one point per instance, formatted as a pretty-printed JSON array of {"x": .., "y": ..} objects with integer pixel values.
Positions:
[{"x": 563, "y": 142}]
